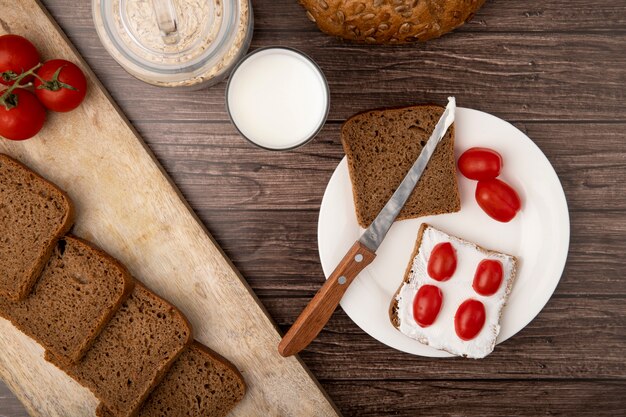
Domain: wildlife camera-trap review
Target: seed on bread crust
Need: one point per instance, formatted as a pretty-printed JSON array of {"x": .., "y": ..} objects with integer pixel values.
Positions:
[{"x": 398, "y": 21}]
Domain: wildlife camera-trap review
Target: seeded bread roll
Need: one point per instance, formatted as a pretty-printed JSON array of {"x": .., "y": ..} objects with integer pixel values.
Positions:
[
  {"x": 133, "y": 353},
  {"x": 200, "y": 384},
  {"x": 78, "y": 292},
  {"x": 389, "y": 21},
  {"x": 34, "y": 214},
  {"x": 382, "y": 145}
]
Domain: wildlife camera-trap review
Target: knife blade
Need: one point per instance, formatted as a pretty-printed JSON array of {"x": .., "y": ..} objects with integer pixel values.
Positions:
[
  {"x": 317, "y": 313},
  {"x": 376, "y": 232}
]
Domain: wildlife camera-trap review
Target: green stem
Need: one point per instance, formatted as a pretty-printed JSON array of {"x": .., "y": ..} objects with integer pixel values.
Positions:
[
  {"x": 54, "y": 84},
  {"x": 6, "y": 94},
  {"x": 39, "y": 78}
]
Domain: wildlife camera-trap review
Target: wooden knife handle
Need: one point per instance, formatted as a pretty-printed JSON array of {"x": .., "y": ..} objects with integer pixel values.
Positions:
[{"x": 317, "y": 313}]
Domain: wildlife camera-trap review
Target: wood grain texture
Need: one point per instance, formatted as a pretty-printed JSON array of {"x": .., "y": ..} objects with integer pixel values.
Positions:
[
  {"x": 9, "y": 405},
  {"x": 523, "y": 71},
  {"x": 202, "y": 156},
  {"x": 554, "y": 68},
  {"x": 128, "y": 207},
  {"x": 526, "y": 65},
  {"x": 317, "y": 312},
  {"x": 543, "y": 350},
  {"x": 479, "y": 398},
  {"x": 495, "y": 16}
]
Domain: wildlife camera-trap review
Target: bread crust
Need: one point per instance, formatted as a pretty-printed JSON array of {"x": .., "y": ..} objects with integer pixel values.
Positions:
[
  {"x": 157, "y": 396},
  {"x": 133, "y": 409},
  {"x": 389, "y": 21},
  {"x": 68, "y": 221},
  {"x": 393, "y": 307},
  {"x": 206, "y": 350},
  {"x": 414, "y": 207},
  {"x": 129, "y": 285}
]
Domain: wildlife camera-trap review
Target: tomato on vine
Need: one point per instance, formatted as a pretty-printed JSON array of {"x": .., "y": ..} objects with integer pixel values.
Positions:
[
  {"x": 21, "y": 115},
  {"x": 17, "y": 55},
  {"x": 60, "y": 85}
]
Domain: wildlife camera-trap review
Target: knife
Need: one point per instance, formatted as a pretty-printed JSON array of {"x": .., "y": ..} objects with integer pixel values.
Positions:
[{"x": 317, "y": 313}]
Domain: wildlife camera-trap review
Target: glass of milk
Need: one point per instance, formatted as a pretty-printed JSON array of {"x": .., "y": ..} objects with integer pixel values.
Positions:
[{"x": 277, "y": 98}]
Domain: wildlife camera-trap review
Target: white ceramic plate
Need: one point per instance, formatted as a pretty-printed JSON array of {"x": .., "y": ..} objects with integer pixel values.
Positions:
[{"x": 538, "y": 235}]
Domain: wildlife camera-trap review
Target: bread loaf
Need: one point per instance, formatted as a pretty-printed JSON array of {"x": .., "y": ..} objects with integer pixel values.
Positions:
[{"x": 389, "y": 21}]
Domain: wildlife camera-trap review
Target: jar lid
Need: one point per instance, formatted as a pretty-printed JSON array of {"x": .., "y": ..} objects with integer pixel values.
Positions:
[{"x": 174, "y": 42}]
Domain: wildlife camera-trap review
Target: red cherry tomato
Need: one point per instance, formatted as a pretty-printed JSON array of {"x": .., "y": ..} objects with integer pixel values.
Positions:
[
  {"x": 25, "y": 117},
  {"x": 426, "y": 305},
  {"x": 488, "y": 277},
  {"x": 17, "y": 55},
  {"x": 469, "y": 319},
  {"x": 480, "y": 164},
  {"x": 498, "y": 199},
  {"x": 64, "y": 88},
  {"x": 442, "y": 262}
]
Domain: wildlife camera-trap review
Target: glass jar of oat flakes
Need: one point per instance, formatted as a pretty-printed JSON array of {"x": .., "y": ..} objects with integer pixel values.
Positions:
[{"x": 175, "y": 43}]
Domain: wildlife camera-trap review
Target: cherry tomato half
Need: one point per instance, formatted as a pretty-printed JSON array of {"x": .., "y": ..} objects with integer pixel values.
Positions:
[
  {"x": 480, "y": 164},
  {"x": 498, "y": 199},
  {"x": 25, "y": 119},
  {"x": 64, "y": 88},
  {"x": 17, "y": 55},
  {"x": 442, "y": 262},
  {"x": 469, "y": 319},
  {"x": 426, "y": 305},
  {"x": 488, "y": 277}
]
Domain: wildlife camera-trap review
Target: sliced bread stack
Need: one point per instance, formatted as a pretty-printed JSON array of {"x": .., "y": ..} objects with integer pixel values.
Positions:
[
  {"x": 133, "y": 353},
  {"x": 78, "y": 292},
  {"x": 200, "y": 384},
  {"x": 131, "y": 348}
]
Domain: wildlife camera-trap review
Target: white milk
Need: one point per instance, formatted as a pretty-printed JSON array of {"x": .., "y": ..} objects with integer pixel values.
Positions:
[{"x": 277, "y": 98}]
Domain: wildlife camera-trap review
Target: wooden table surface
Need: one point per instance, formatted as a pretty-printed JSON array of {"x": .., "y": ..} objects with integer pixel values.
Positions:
[{"x": 554, "y": 68}]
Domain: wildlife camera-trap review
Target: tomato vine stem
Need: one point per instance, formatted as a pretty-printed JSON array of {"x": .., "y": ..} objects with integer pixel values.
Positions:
[{"x": 8, "y": 99}]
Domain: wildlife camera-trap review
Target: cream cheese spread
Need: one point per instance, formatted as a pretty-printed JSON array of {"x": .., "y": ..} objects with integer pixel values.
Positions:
[{"x": 441, "y": 334}]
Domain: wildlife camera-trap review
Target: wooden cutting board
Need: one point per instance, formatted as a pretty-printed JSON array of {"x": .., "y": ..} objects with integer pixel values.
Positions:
[{"x": 127, "y": 205}]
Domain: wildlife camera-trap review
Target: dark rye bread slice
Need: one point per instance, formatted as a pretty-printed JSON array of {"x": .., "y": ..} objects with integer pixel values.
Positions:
[
  {"x": 133, "y": 353},
  {"x": 78, "y": 292},
  {"x": 200, "y": 384},
  {"x": 34, "y": 213},
  {"x": 393, "y": 307},
  {"x": 382, "y": 145}
]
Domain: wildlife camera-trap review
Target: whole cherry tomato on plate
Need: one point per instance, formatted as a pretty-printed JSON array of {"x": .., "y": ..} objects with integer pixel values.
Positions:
[
  {"x": 498, "y": 199},
  {"x": 60, "y": 85},
  {"x": 469, "y": 319},
  {"x": 480, "y": 164},
  {"x": 21, "y": 115},
  {"x": 488, "y": 277},
  {"x": 442, "y": 262},
  {"x": 17, "y": 55},
  {"x": 426, "y": 305}
]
